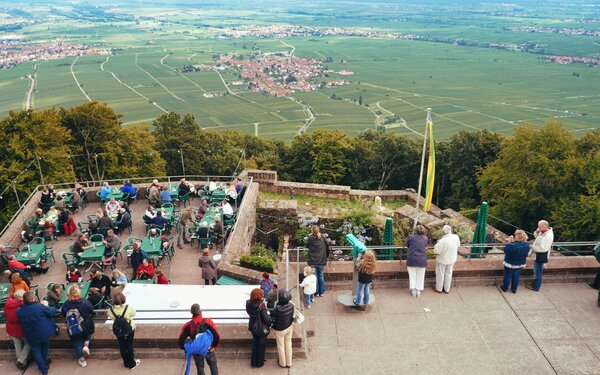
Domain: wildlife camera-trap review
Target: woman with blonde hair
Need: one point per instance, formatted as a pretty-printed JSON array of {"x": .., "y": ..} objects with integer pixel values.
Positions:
[
  {"x": 80, "y": 324},
  {"x": 310, "y": 286},
  {"x": 121, "y": 309},
  {"x": 515, "y": 258},
  {"x": 367, "y": 264}
]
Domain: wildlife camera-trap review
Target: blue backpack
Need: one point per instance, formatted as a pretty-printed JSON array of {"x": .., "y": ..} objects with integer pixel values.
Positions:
[{"x": 198, "y": 345}]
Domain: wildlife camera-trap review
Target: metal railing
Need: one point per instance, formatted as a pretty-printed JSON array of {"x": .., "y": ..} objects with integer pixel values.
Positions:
[{"x": 98, "y": 184}]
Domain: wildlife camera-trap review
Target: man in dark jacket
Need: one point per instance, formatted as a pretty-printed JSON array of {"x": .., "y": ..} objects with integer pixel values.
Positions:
[
  {"x": 282, "y": 317},
  {"x": 101, "y": 281},
  {"x": 317, "y": 257},
  {"x": 36, "y": 320},
  {"x": 194, "y": 327}
]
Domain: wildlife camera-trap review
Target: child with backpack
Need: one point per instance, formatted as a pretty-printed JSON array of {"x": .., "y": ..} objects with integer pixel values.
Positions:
[
  {"x": 124, "y": 329},
  {"x": 266, "y": 283},
  {"x": 80, "y": 325},
  {"x": 203, "y": 340},
  {"x": 310, "y": 286}
]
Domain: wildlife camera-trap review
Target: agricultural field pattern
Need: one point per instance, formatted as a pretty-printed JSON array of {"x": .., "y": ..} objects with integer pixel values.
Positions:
[{"x": 380, "y": 64}]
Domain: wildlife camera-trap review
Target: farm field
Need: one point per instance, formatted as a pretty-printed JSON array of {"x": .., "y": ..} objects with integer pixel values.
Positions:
[{"x": 467, "y": 87}]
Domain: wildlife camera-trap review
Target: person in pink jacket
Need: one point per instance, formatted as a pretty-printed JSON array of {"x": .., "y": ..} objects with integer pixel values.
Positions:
[{"x": 14, "y": 329}]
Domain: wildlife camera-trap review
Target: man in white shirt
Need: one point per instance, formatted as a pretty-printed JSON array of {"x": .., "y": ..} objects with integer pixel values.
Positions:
[
  {"x": 112, "y": 205},
  {"x": 227, "y": 209},
  {"x": 446, "y": 251},
  {"x": 544, "y": 236},
  {"x": 212, "y": 186}
]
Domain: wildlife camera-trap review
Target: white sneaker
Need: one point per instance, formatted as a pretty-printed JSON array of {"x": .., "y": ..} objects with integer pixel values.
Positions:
[
  {"x": 82, "y": 362},
  {"x": 413, "y": 292},
  {"x": 86, "y": 352},
  {"x": 137, "y": 363},
  {"x": 418, "y": 294}
]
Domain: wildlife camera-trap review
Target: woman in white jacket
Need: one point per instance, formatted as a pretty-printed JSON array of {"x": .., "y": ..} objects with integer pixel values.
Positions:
[{"x": 310, "y": 286}]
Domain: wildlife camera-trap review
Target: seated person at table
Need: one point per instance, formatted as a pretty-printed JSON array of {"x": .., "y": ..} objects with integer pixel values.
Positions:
[
  {"x": 136, "y": 257},
  {"x": 14, "y": 264},
  {"x": 73, "y": 274},
  {"x": 184, "y": 187},
  {"x": 145, "y": 271},
  {"x": 16, "y": 283},
  {"x": 59, "y": 201},
  {"x": 52, "y": 212},
  {"x": 80, "y": 189},
  {"x": 149, "y": 215},
  {"x": 155, "y": 184},
  {"x": 231, "y": 194},
  {"x": 63, "y": 217},
  {"x": 154, "y": 196},
  {"x": 101, "y": 281},
  {"x": 27, "y": 234},
  {"x": 123, "y": 220},
  {"x": 75, "y": 200},
  {"x": 46, "y": 198},
  {"x": 165, "y": 195},
  {"x": 227, "y": 209},
  {"x": 104, "y": 192},
  {"x": 203, "y": 209},
  {"x": 95, "y": 297},
  {"x": 125, "y": 206},
  {"x": 218, "y": 230},
  {"x": 160, "y": 277},
  {"x": 128, "y": 188},
  {"x": 112, "y": 205},
  {"x": 153, "y": 233},
  {"x": 54, "y": 294},
  {"x": 118, "y": 279},
  {"x": 80, "y": 245},
  {"x": 49, "y": 228},
  {"x": 99, "y": 213},
  {"x": 203, "y": 231},
  {"x": 8, "y": 274},
  {"x": 160, "y": 221},
  {"x": 51, "y": 191},
  {"x": 105, "y": 221},
  {"x": 38, "y": 215},
  {"x": 212, "y": 186}
]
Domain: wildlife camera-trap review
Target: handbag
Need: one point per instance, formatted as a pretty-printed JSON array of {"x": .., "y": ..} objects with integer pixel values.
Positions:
[
  {"x": 541, "y": 257},
  {"x": 298, "y": 316},
  {"x": 259, "y": 328}
]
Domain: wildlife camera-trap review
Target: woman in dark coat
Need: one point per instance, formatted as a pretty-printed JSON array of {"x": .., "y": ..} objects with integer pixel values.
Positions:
[
  {"x": 81, "y": 342},
  {"x": 208, "y": 266},
  {"x": 255, "y": 306},
  {"x": 283, "y": 317},
  {"x": 136, "y": 258},
  {"x": 515, "y": 258},
  {"x": 416, "y": 260}
]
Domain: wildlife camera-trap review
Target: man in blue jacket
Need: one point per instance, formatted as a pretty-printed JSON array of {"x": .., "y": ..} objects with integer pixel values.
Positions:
[{"x": 36, "y": 320}]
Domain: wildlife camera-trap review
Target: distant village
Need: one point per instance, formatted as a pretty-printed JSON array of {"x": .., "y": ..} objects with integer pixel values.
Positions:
[
  {"x": 552, "y": 30},
  {"x": 282, "y": 31},
  {"x": 15, "y": 51},
  {"x": 279, "y": 76}
]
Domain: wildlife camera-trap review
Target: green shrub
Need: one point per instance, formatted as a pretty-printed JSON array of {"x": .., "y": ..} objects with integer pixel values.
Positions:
[
  {"x": 463, "y": 230},
  {"x": 256, "y": 262},
  {"x": 300, "y": 234},
  {"x": 360, "y": 218},
  {"x": 262, "y": 251}
]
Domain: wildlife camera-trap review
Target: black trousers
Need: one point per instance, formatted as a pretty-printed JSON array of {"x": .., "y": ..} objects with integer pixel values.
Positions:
[
  {"x": 259, "y": 344},
  {"x": 126, "y": 347},
  {"x": 211, "y": 360},
  {"x": 213, "y": 280},
  {"x": 596, "y": 283}
]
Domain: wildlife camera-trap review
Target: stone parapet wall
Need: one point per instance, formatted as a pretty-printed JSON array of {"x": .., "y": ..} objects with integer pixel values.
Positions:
[{"x": 240, "y": 240}]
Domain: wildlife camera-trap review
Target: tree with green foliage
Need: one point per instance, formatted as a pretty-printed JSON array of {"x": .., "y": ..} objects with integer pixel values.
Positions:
[
  {"x": 95, "y": 128},
  {"x": 329, "y": 156},
  {"x": 140, "y": 156},
  {"x": 535, "y": 168},
  {"x": 174, "y": 135}
]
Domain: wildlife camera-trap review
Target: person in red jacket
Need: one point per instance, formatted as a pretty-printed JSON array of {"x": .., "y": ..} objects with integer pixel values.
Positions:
[
  {"x": 161, "y": 278},
  {"x": 14, "y": 264},
  {"x": 145, "y": 271},
  {"x": 14, "y": 329},
  {"x": 188, "y": 332}
]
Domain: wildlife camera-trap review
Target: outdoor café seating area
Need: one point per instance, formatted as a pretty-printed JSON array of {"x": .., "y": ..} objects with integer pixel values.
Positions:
[{"x": 56, "y": 249}]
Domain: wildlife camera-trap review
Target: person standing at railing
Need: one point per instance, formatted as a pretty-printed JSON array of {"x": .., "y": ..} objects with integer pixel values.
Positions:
[
  {"x": 515, "y": 258},
  {"x": 194, "y": 327},
  {"x": 283, "y": 317},
  {"x": 596, "y": 283},
  {"x": 416, "y": 260},
  {"x": 317, "y": 257},
  {"x": 544, "y": 236},
  {"x": 78, "y": 313},
  {"x": 259, "y": 326},
  {"x": 446, "y": 251},
  {"x": 367, "y": 264},
  {"x": 122, "y": 310}
]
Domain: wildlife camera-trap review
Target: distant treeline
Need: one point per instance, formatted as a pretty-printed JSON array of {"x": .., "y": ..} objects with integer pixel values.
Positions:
[{"x": 539, "y": 172}]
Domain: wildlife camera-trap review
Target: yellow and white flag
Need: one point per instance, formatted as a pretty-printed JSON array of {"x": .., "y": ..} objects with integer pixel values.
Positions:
[{"x": 430, "y": 165}]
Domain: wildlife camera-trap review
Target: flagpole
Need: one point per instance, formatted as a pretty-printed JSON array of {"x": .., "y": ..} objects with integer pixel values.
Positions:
[{"x": 416, "y": 220}]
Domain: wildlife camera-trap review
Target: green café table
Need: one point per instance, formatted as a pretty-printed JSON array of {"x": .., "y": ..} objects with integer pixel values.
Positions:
[
  {"x": 115, "y": 193},
  {"x": 93, "y": 255},
  {"x": 174, "y": 190},
  {"x": 149, "y": 248},
  {"x": 4, "y": 288},
  {"x": 83, "y": 286},
  {"x": 211, "y": 215},
  {"x": 31, "y": 254}
]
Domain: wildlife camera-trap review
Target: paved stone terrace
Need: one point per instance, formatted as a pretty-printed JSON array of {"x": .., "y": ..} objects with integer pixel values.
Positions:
[{"x": 472, "y": 330}]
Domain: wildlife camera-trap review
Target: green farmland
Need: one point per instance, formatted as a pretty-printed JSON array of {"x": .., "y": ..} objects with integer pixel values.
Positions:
[{"x": 467, "y": 87}]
